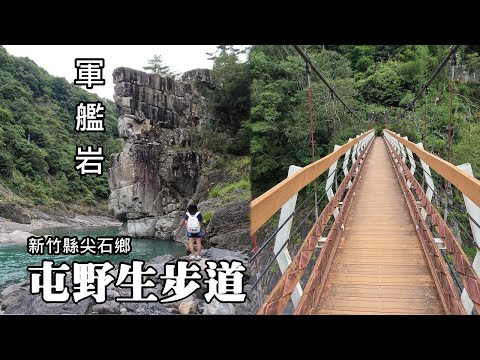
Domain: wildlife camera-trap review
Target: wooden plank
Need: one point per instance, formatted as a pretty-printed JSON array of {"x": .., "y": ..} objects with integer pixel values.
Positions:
[
  {"x": 380, "y": 266},
  {"x": 383, "y": 312},
  {"x": 414, "y": 302},
  {"x": 382, "y": 291},
  {"x": 267, "y": 204},
  {"x": 467, "y": 184}
]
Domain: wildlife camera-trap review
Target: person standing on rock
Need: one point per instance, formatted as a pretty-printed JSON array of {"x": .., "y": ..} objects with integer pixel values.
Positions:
[{"x": 193, "y": 223}]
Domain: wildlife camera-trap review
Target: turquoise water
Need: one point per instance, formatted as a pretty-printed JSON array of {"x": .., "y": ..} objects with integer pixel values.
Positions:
[{"x": 14, "y": 258}]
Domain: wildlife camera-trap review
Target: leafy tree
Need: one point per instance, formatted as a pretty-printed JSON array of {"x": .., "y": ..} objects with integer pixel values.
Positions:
[
  {"x": 377, "y": 79},
  {"x": 231, "y": 83},
  {"x": 155, "y": 66},
  {"x": 383, "y": 86},
  {"x": 37, "y": 137},
  {"x": 473, "y": 62},
  {"x": 467, "y": 148},
  {"x": 279, "y": 117},
  {"x": 229, "y": 99},
  {"x": 229, "y": 49}
]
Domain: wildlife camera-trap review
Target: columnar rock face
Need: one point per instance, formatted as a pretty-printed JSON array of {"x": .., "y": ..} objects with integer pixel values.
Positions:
[{"x": 156, "y": 173}]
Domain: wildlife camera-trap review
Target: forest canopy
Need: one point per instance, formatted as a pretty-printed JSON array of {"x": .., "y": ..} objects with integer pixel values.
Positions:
[
  {"x": 376, "y": 82},
  {"x": 37, "y": 137}
]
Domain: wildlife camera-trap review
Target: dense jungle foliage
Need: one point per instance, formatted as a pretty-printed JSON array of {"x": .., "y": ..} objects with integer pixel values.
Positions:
[
  {"x": 37, "y": 137},
  {"x": 376, "y": 82}
]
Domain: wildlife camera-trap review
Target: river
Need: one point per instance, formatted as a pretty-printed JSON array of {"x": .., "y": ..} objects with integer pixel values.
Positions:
[{"x": 14, "y": 258}]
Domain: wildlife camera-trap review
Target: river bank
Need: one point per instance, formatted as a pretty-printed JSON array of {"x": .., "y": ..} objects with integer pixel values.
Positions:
[
  {"x": 7, "y": 225},
  {"x": 14, "y": 232},
  {"x": 17, "y": 299}
]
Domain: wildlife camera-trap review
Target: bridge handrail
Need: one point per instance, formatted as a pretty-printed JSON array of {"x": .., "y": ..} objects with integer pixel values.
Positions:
[
  {"x": 266, "y": 205},
  {"x": 465, "y": 183}
]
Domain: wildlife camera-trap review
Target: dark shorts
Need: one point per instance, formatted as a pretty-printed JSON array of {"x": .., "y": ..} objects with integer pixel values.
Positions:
[{"x": 197, "y": 235}]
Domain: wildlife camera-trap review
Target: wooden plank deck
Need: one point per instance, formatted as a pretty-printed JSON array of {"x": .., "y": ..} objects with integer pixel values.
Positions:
[{"x": 379, "y": 266}]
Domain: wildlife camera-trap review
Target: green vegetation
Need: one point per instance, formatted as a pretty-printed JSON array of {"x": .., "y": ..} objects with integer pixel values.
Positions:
[
  {"x": 38, "y": 141},
  {"x": 207, "y": 216},
  {"x": 470, "y": 252},
  {"x": 224, "y": 191},
  {"x": 279, "y": 120},
  {"x": 155, "y": 66},
  {"x": 239, "y": 167},
  {"x": 262, "y": 112},
  {"x": 235, "y": 184},
  {"x": 295, "y": 240},
  {"x": 229, "y": 99},
  {"x": 275, "y": 268},
  {"x": 376, "y": 81}
]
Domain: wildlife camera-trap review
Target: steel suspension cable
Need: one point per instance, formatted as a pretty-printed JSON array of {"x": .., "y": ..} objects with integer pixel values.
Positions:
[
  {"x": 451, "y": 114},
  {"x": 334, "y": 115},
  {"x": 425, "y": 86},
  {"x": 425, "y": 120},
  {"x": 307, "y": 68},
  {"x": 315, "y": 70}
]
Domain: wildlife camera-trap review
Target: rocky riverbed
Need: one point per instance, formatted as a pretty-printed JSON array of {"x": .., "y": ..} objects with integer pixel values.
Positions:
[{"x": 16, "y": 299}]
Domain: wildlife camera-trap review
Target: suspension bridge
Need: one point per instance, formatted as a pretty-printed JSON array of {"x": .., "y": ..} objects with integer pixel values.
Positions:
[{"x": 380, "y": 245}]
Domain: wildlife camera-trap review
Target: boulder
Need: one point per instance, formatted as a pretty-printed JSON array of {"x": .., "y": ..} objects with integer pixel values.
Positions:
[
  {"x": 229, "y": 217},
  {"x": 16, "y": 236},
  {"x": 188, "y": 307},
  {"x": 112, "y": 294},
  {"x": 20, "y": 306},
  {"x": 217, "y": 308},
  {"x": 209, "y": 204},
  {"x": 145, "y": 308},
  {"x": 229, "y": 227},
  {"x": 180, "y": 235},
  {"x": 162, "y": 259},
  {"x": 38, "y": 307},
  {"x": 219, "y": 254},
  {"x": 158, "y": 263},
  {"x": 142, "y": 228},
  {"x": 15, "y": 213},
  {"x": 109, "y": 307},
  {"x": 14, "y": 294},
  {"x": 177, "y": 303},
  {"x": 166, "y": 225},
  {"x": 233, "y": 240}
]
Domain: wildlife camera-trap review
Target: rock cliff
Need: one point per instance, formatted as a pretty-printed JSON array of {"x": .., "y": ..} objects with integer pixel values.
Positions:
[{"x": 157, "y": 172}]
